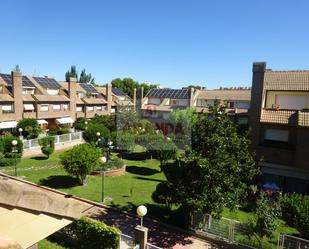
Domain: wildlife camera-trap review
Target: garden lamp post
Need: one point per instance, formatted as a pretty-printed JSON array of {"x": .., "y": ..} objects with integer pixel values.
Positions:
[
  {"x": 141, "y": 212},
  {"x": 20, "y": 133},
  {"x": 14, "y": 150},
  {"x": 86, "y": 122},
  {"x": 99, "y": 139},
  {"x": 103, "y": 160}
]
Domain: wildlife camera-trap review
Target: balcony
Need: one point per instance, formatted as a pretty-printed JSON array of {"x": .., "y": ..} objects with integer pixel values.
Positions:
[
  {"x": 52, "y": 114},
  {"x": 287, "y": 117}
]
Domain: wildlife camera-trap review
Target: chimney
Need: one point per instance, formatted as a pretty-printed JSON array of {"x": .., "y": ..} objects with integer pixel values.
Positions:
[
  {"x": 139, "y": 100},
  {"x": 258, "y": 71},
  {"x": 109, "y": 97},
  {"x": 17, "y": 89},
  {"x": 72, "y": 96},
  {"x": 134, "y": 99},
  {"x": 191, "y": 96}
]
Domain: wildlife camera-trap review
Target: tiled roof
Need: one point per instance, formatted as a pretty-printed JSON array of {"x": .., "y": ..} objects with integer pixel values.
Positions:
[
  {"x": 94, "y": 101},
  {"x": 51, "y": 98},
  {"x": 224, "y": 94},
  {"x": 286, "y": 80}
]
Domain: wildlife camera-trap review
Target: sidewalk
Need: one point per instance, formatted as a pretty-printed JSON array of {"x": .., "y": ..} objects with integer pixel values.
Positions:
[{"x": 159, "y": 234}]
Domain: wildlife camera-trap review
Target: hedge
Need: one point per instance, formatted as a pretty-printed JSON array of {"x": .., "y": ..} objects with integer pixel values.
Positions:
[
  {"x": 91, "y": 233},
  {"x": 295, "y": 211}
]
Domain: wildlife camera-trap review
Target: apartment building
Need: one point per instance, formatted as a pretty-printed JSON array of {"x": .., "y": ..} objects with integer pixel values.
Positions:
[
  {"x": 159, "y": 103},
  {"x": 49, "y": 101},
  {"x": 279, "y": 119}
]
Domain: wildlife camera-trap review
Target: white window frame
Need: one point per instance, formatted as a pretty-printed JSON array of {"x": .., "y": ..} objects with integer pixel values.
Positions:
[{"x": 56, "y": 107}]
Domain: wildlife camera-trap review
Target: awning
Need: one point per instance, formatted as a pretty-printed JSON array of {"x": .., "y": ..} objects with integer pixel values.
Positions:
[
  {"x": 66, "y": 120},
  {"x": 29, "y": 107},
  {"x": 42, "y": 121},
  {"x": 8, "y": 124}
]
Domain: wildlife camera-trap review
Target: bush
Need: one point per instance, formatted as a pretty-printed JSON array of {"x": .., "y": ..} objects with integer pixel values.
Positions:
[
  {"x": 81, "y": 160},
  {"x": 80, "y": 124},
  {"x": 113, "y": 163},
  {"x": 7, "y": 156},
  {"x": 295, "y": 211},
  {"x": 47, "y": 145},
  {"x": 90, "y": 134},
  {"x": 30, "y": 126},
  {"x": 94, "y": 234},
  {"x": 125, "y": 141},
  {"x": 267, "y": 211},
  {"x": 109, "y": 121}
]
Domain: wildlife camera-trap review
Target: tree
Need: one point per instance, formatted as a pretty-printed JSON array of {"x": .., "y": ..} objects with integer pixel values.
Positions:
[
  {"x": 217, "y": 171},
  {"x": 17, "y": 68},
  {"x": 30, "y": 126},
  {"x": 71, "y": 73},
  {"x": 86, "y": 78},
  {"x": 81, "y": 160},
  {"x": 90, "y": 134},
  {"x": 125, "y": 141},
  {"x": 47, "y": 145},
  {"x": 127, "y": 85}
]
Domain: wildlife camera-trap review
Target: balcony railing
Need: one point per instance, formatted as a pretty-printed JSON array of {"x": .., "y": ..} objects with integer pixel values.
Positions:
[{"x": 288, "y": 117}]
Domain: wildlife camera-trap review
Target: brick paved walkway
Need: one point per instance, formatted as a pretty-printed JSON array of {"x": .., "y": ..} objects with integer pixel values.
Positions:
[{"x": 159, "y": 234}]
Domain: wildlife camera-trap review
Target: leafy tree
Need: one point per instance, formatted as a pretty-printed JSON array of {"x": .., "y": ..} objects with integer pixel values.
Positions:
[
  {"x": 127, "y": 85},
  {"x": 162, "y": 148},
  {"x": 127, "y": 119},
  {"x": 267, "y": 211},
  {"x": 47, "y": 145},
  {"x": 90, "y": 134},
  {"x": 125, "y": 141},
  {"x": 109, "y": 121},
  {"x": 86, "y": 78},
  {"x": 71, "y": 73},
  {"x": 79, "y": 124},
  {"x": 219, "y": 169},
  {"x": 81, "y": 160},
  {"x": 30, "y": 126}
]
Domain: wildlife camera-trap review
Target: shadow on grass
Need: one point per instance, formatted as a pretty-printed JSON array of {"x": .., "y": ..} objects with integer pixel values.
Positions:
[
  {"x": 39, "y": 158},
  {"x": 144, "y": 171},
  {"x": 148, "y": 179},
  {"x": 60, "y": 181},
  {"x": 134, "y": 156}
]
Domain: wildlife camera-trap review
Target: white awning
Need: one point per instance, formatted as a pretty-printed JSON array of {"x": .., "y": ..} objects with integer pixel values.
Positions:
[
  {"x": 29, "y": 107},
  {"x": 42, "y": 121},
  {"x": 8, "y": 124},
  {"x": 66, "y": 120}
]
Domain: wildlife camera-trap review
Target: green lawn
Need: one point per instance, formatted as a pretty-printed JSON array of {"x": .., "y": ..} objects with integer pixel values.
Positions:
[{"x": 133, "y": 188}]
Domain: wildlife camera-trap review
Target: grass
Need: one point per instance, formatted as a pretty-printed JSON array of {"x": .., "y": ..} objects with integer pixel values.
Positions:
[
  {"x": 128, "y": 191},
  {"x": 46, "y": 244}
]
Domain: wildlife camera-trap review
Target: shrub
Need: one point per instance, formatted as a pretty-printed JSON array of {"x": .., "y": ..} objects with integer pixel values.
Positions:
[
  {"x": 267, "y": 211},
  {"x": 125, "y": 141},
  {"x": 109, "y": 121},
  {"x": 295, "y": 211},
  {"x": 94, "y": 234},
  {"x": 90, "y": 134},
  {"x": 30, "y": 126},
  {"x": 81, "y": 160},
  {"x": 80, "y": 124},
  {"x": 47, "y": 145},
  {"x": 113, "y": 163}
]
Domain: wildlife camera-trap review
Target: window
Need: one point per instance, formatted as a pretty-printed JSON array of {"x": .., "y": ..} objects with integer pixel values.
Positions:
[
  {"x": 28, "y": 107},
  {"x": 28, "y": 90},
  {"x": 276, "y": 135},
  {"x": 99, "y": 108},
  {"x": 243, "y": 104},
  {"x": 56, "y": 107},
  {"x": 90, "y": 108},
  {"x": 201, "y": 103},
  {"x": 154, "y": 101},
  {"x": 291, "y": 102},
  {"x": 44, "y": 108},
  {"x": 7, "y": 108},
  {"x": 65, "y": 107},
  {"x": 52, "y": 91},
  {"x": 79, "y": 108}
]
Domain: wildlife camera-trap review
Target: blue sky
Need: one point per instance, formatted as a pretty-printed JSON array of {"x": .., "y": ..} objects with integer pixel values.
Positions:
[{"x": 170, "y": 42}]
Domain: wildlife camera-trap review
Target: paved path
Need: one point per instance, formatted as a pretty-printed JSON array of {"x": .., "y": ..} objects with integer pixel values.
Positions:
[{"x": 159, "y": 234}]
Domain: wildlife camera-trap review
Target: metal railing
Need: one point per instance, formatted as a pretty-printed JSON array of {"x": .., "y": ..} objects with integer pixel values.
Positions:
[
  {"x": 150, "y": 246},
  {"x": 126, "y": 242},
  {"x": 59, "y": 139},
  {"x": 292, "y": 242}
]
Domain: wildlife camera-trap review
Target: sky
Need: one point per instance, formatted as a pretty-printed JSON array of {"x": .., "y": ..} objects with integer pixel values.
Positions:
[{"x": 173, "y": 43}]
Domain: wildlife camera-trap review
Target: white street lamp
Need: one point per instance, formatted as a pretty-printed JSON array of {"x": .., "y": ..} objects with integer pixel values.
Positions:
[
  {"x": 98, "y": 134},
  {"x": 103, "y": 159},
  {"x": 141, "y": 212},
  {"x": 20, "y": 132},
  {"x": 14, "y": 150},
  {"x": 14, "y": 142}
]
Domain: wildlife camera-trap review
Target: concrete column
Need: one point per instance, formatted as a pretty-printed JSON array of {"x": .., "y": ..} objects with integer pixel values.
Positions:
[
  {"x": 109, "y": 97},
  {"x": 72, "y": 96},
  {"x": 141, "y": 236},
  {"x": 17, "y": 94}
]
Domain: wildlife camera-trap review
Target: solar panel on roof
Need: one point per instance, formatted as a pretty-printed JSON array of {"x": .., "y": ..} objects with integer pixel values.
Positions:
[
  {"x": 47, "y": 83},
  {"x": 8, "y": 79},
  {"x": 117, "y": 91},
  {"x": 169, "y": 93},
  {"x": 88, "y": 88}
]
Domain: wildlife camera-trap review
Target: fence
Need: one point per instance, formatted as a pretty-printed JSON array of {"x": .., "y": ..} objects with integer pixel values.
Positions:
[
  {"x": 291, "y": 242},
  {"x": 126, "y": 242},
  {"x": 59, "y": 139}
]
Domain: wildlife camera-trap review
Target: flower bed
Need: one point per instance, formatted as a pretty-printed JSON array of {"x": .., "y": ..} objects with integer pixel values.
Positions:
[
  {"x": 114, "y": 167},
  {"x": 111, "y": 172}
]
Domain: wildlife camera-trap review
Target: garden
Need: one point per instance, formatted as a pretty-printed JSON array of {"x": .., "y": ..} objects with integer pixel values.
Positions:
[{"x": 216, "y": 175}]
